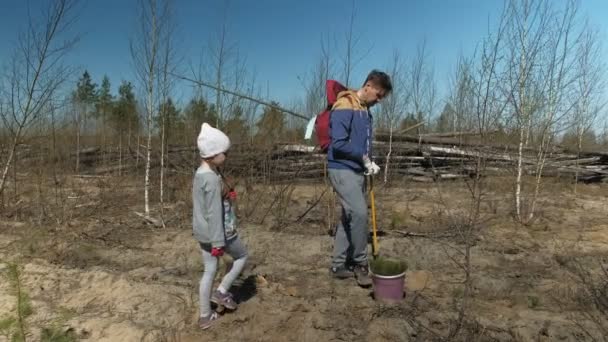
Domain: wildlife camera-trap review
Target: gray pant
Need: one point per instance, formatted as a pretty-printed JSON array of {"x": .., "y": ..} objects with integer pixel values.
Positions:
[
  {"x": 237, "y": 250},
  {"x": 350, "y": 244}
]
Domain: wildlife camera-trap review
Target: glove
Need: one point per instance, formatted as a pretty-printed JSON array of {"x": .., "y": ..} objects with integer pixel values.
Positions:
[
  {"x": 375, "y": 168},
  {"x": 232, "y": 195},
  {"x": 217, "y": 251},
  {"x": 371, "y": 168}
]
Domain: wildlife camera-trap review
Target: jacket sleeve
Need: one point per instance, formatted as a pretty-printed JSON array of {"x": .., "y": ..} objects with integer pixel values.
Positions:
[
  {"x": 215, "y": 212},
  {"x": 341, "y": 140}
]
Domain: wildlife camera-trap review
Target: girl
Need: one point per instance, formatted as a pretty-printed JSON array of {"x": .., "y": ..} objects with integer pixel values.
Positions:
[{"x": 214, "y": 224}]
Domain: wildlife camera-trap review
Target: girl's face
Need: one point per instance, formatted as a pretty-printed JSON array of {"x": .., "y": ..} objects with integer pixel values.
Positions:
[{"x": 218, "y": 159}]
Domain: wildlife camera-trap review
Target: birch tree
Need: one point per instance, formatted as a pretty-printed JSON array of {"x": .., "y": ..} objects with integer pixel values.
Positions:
[
  {"x": 541, "y": 46},
  {"x": 147, "y": 58}
]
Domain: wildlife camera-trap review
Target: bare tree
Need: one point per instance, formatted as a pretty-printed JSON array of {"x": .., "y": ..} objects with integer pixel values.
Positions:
[
  {"x": 485, "y": 100},
  {"x": 147, "y": 59},
  {"x": 482, "y": 96},
  {"x": 557, "y": 83},
  {"x": 36, "y": 72},
  {"x": 84, "y": 98},
  {"x": 165, "y": 83},
  {"x": 541, "y": 42},
  {"x": 315, "y": 99},
  {"x": 525, "y": 50},
  {"x": 461, "y": 97},
  {"x": 352, "y": 42},
  {"x": 422, "y": 85},
  {"x": 589, "y": 88},
  {"x": 220, "y": 58},
  {"x": 222, "y": 52},
  {"x": 393, "y": 108}
]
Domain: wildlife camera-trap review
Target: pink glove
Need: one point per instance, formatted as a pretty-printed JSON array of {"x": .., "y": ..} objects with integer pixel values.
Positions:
[
  {"x": 217, "y": 251},
  {"x": 232, "y": 195}
]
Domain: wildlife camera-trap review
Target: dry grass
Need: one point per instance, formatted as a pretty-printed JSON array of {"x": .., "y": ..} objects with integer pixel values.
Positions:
[{"x": 524, "y": 283}]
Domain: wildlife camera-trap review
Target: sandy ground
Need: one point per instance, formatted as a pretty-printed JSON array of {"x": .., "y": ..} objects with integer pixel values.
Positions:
[{"x": 105, "y": 276}]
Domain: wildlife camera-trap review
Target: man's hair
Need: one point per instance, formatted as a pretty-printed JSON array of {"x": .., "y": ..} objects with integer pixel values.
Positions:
[{"x": 380, "y": 79}]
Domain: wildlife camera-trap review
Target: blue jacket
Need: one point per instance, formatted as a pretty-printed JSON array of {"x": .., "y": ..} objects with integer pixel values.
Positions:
[{"x": 350, "y": 127}]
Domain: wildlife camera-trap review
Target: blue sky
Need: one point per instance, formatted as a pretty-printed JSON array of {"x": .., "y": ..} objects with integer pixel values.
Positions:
[{"x": 280, "y": 39}]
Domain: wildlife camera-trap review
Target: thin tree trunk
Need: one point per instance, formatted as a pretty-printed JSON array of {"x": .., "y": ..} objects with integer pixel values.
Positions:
[
  {"x": 388, "y": 155},
  {"x": 519, "y": 173},
  {"x": 9, "y": 161},
  {"x": 15, "y": 162},
  {"x": 542, "y": 156},
  {"x": 147, "y": 176},
  {"x": 39, "y": 184},
  {"x": 151, "y": 65},
  {"x": 77, "y": 146},
  {"x": 137, "y": 148},
  {"x": 103, "y": 137},
  {"x": 162, "y": 171},
  {"x": 129, "y": 135},
  {"x": 120, "y": 154},
  {"x": 56, "y": 181},
  {"x": 579, "y": 147}
]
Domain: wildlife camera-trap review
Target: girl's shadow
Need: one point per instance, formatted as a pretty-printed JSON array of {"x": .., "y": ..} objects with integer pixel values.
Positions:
[{"x": 244, "y": 289}]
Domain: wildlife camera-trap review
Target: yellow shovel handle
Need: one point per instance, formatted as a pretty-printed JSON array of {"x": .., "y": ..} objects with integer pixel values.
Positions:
[{"x": 374, "y": 228}]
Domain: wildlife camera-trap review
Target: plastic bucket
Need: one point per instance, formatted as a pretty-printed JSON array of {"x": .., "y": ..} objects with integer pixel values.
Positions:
[{"x": 389, "y": 289}]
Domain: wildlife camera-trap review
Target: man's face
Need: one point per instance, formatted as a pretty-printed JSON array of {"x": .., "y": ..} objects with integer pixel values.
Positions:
[{"x": 372, "y": 94}]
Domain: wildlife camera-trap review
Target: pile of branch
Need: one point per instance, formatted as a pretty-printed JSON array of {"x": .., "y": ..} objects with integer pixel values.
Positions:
[{"x": 424, "y": 158}]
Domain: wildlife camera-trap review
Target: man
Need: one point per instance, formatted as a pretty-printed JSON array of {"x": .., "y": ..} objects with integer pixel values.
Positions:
[{"x": 349, "y": 159}]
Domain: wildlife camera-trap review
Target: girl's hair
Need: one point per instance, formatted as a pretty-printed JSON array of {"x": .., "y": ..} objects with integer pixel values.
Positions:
[{"x": 228, "y": 182}]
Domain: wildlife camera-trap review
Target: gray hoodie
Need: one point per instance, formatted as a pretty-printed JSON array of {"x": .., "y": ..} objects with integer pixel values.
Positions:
[{"x": 207, "y": 211}]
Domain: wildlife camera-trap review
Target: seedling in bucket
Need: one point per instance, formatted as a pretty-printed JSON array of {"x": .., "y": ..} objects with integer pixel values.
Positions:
[{"x": 388, "y": 278}]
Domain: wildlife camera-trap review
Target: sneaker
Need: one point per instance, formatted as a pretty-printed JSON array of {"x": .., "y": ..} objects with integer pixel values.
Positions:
[
  {"x": 204, "y": 322},
  {"x": 362, "y": 275},
  {"x": 224, "y": 299},
  {"x": 341, "y": 272}
]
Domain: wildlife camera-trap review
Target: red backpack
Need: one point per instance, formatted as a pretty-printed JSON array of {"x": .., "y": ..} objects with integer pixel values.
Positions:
[{"x": 332, "y": 88}]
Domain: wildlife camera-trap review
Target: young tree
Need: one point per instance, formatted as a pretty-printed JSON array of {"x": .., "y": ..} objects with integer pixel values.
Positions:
[
  {"x": 315, "y": 99},
  {"x": 196, "y": 112},
  {"x": 422, "y": 88},
  {"x": 352, "y": 42},
  {"x": 589, "y": 89},
  {"x": 445, "y": 121},
  {"x": 222, "y": 53},
  {"x": 541, "y": 42},
  {"x": 124, "y": 118},
  {"x": 167, "y": 111},
  {"x": 271, "y": 126},
  {"x": 36, "y": 72},
  {"x": 236, "y": 127},
  {"x": 104, "y": 106},
  {"x": 171, "y": 118},
  {"x": 147, "y": 57},
  {"x": 84, "y": 99},
  {"x": 393, "y": 107},
  {"x": 462, "y": 97}
]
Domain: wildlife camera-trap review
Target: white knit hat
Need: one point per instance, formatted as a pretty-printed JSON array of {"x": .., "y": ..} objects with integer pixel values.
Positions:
[{"x": 211, "y": 141}]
